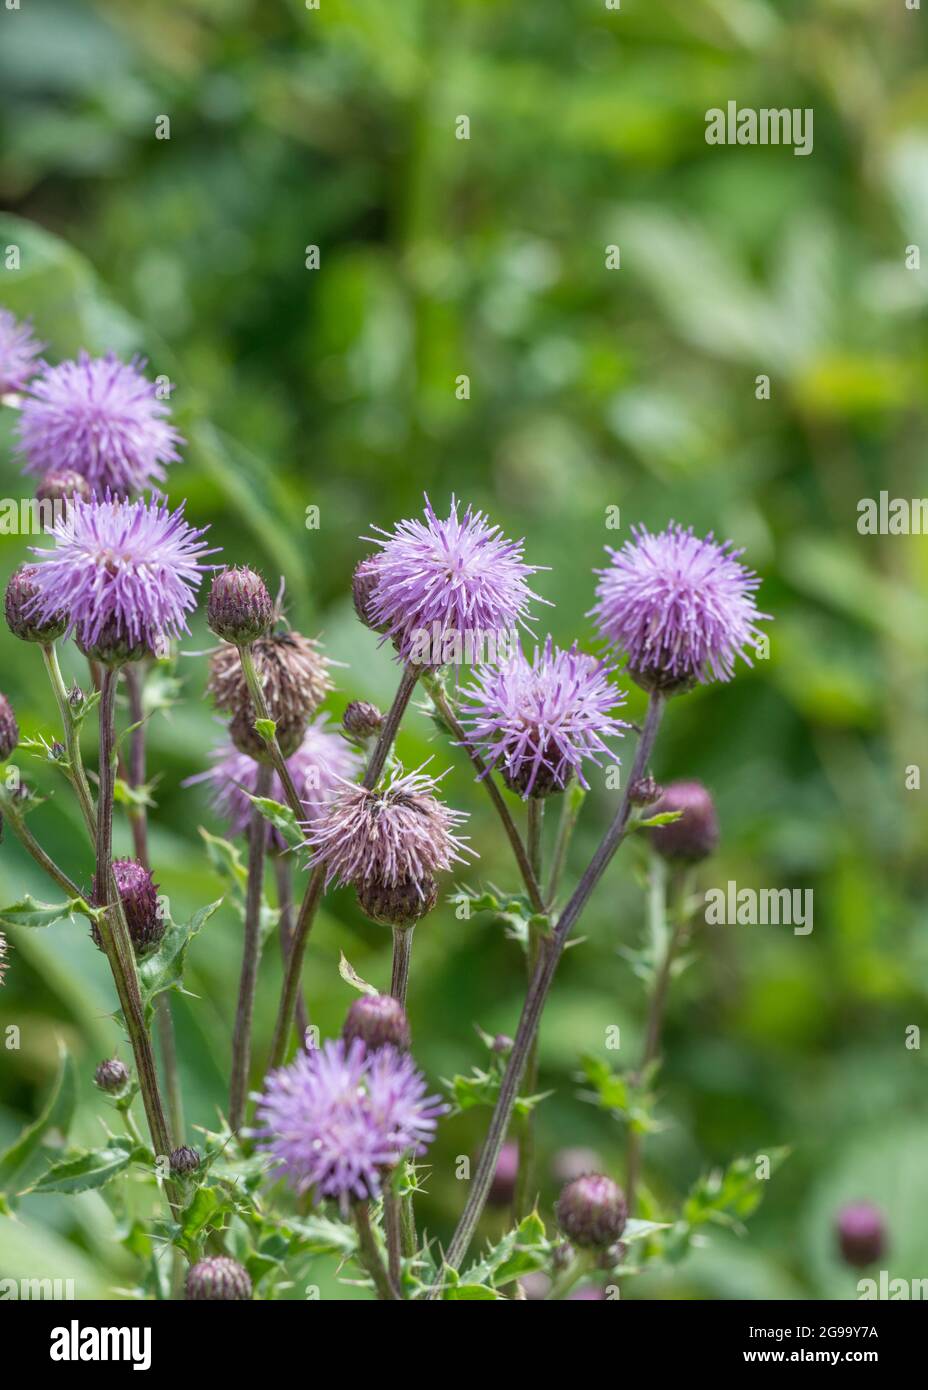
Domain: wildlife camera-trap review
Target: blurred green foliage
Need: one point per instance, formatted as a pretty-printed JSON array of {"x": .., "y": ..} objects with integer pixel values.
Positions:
[{"x": 589, "y": 388}]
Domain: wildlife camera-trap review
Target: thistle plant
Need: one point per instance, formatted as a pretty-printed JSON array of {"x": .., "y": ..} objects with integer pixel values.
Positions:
[{"x": 324, "y": 1143}]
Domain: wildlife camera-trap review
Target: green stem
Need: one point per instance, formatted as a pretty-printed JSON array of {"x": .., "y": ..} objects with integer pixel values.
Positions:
[
  {"x": 525, "y": 1195},
  {"x": 256, "y": 692},
  {"x": 402, "y": 955},
  {"x": 393, "y": 1227},
  {"x": 78, "y": 776},
  {"x": 571, "y": 801},
  {"x": 284, "y": 881},
  {"x": 294, "y": 967},
  {"x": 251, "y": 952},
  {"x": 369, "y": 1254},
  {"x": 562, "y": 1285}
]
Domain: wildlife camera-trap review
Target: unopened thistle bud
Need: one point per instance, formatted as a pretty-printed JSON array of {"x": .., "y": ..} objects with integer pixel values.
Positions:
[
  {"x": 139, "y": 895},
  {"x": 363, "y": 583},
  {"x": 239, "y": 609},
  {"x": 378, "y": 1020},
  {"x": 695, "y": 835},
  {"x": 861, "y": 1234},
  {"x": 112, "y": 1076},
  {"x": 591, "y": 1211},
  {"x": 398, "y": 904},
  {"x": 21, "y": 593},
  {"x": 61, "y": 487},
  {"x": 502, "y": 1045},
  {"x": 184, "y": 1160},
  {"x": 644, "y": 792},
  {"x": 362, "y": 720},
  {"x": 219, "y": 1278},
  {"x": 9, "y": 729}
]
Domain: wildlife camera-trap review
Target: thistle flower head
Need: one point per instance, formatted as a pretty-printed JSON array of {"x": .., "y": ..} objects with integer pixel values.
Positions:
[
  {"x": 294, "y": 676},
  {"x": 103, "y": 419},
  {"x": 112, "y": 1076},
  {"x": 219, "y": 1278},
  {"x": 388, "y": 842},
  {"x": 239, "y": 609},
  {"x": 378, "y": 1020},
  {"x": 456, "y": 576},
  {"x": 18, "y": 351},
  {"x": 340, "y": 1117},
  {"x": 539, "y": 720},
  {"x": 138, "y": 893},
  {"x": 124, "y": 572},
  {"x": 19, "y": 602},
  {"x": 695, "y": 835},
  {"x": 361, "y": 720},
  {"x": 861, "y": 1232},
  {"x": 319, "y": 767},
  {"x": 591, "y": 1211},
  {"x": 184, "y": 1160},
  {"x": 681, "y": 607},
  {"x": 9, "y": 729}
]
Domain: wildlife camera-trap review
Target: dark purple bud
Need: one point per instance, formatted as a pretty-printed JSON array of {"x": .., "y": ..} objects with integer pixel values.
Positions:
[
  {"x": 219, "y": 1278},
  {"x": 362, "y": 720},
  {"x": 399, "y": 904},
  {"x": 502, "y": 1045},
  {"x": 363, "y": 583},
  {"x": 240, "y": 609},
  {"x": 644, "y": 792},
  {"x": 21, "y": 593},
  {"x": 861, "y": 1234},
  {"x": 695, "y": 835},
  {"x": 139, "y": 894},
  {"x": 9, "y": 729},
  {"x": 378, "y": 1020},
  {"x": 184, "y": 1160},
  {"x": 60, "y": 487},
  {"x": 591, "y": 1211},
  {"x": 76, "y": 697},
  {"x": 112, "y": 1076},
  {"x": 503, "y": 1186}
]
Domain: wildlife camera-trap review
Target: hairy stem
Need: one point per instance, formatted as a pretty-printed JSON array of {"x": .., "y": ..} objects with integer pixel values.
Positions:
[
  {"x": 115, "y": 934},
  {"x": 485, "y": 777},
  {"x": 525, "y": 1180},
  {"x": 284, "y": 880},
  {"x": 138, "y": 822},
  {"x": 256, "y": 692},
  {"x": 370, "y": 1256},
  {"x": 72, "y": 742},
  {"x": 251, "y": 950},
  {"x": 391, "y": 724},
  {"x": 538, "y": 994},
  {"x": 571, "y": 801},
  {"x": 393, "y": 1228},
  {"x": 402, "y": 954},
  {"x": 294, "y": 968}
]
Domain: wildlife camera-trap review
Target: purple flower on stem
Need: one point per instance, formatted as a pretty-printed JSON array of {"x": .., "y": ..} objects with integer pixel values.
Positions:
[
  {"x": 681, "y": 607},
  {"x": 101, "y": 418},
  {"x": 125, "y": 571},
  {"x": 453, "y": 578},
  {"x": 539, "y": 720},
  {"x": 338, "y": 1118},
  {"x": 318, "y": 767},
  {"x": 398, "y": 833},
  {"x": 18, "y": 351}
]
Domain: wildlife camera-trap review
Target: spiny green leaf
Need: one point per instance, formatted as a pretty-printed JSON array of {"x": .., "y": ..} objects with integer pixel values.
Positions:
[
  {"x": 164, "y": 968},
  {"x": 93, "y": 1168},
  {"x": 281, "y": 817}
]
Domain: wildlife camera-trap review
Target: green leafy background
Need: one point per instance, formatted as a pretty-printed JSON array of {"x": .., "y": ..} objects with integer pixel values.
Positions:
[{"x": 589, "y": 388}]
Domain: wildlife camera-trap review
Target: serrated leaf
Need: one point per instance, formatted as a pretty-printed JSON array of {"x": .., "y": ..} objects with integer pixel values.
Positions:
[
  {"x": 164, "y": 968},
  {"x": 318, "y": 1235},
  {"x": 351, "y": 976},
  {"x": 30, "y": 912},
  {"x": 521, "y": 1251},
  {"x": 57, "y": 1115},
  {"x": 92, "y": 1169},
  {"x": 281, "y": 817}
]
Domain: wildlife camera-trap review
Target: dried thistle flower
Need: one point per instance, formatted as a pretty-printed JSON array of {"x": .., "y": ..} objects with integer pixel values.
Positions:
[{"x": 292, "y": 671}]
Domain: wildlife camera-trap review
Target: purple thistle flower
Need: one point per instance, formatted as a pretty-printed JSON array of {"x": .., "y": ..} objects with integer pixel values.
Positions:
[
  {"x": 338, "y": 1118},
  {"x": 681, "y": 607},
  {"x": 400, "y": 833},
  {"x": 101, "y": 418},
  {"x": 318, "y": 768},
  {"x": 18, "y": 351},
  {"x": 539, "y": 720},
  {"x": 452, "y": 578},
  {"x": 126, "y": 570}
]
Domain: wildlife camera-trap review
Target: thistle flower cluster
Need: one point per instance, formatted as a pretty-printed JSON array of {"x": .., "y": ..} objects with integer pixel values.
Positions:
[
  {"x": 388, "y": 843},
  {"x": 18, "y": 353},
  {"x": 124, "y": 573},
  {"x": 438, "y": 579},
  {"x": 539, "y": 720},
  {"x": 101, "y": 418},
  {"x": 681, "y": 608},
  {"x": 340, "y": 1117}
]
